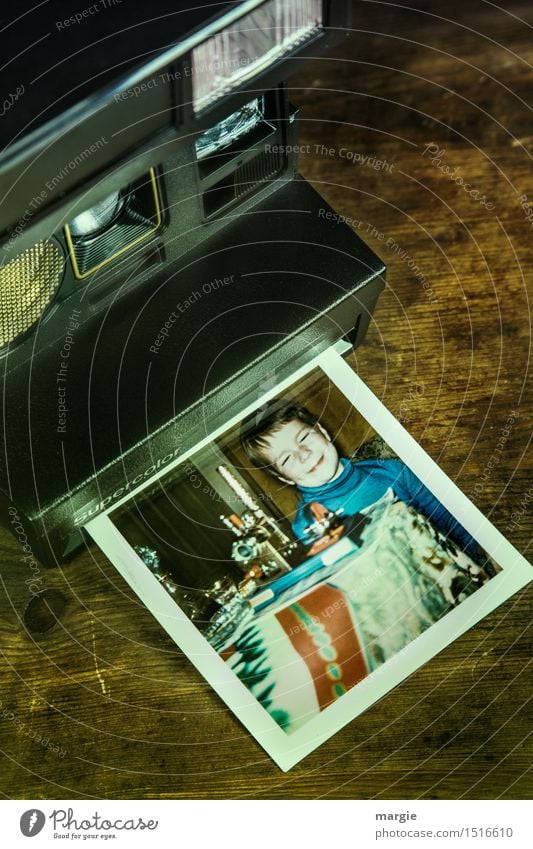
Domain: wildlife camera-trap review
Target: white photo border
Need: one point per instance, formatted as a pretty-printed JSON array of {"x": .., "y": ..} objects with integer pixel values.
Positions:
[{"x": 287, "y": 749}]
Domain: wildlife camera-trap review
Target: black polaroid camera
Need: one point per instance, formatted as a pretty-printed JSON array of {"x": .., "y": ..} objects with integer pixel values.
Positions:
[{"x": 161, "y": 260}]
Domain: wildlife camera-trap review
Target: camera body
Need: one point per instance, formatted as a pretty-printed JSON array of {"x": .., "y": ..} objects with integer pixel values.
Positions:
[{"x": 161, "y": 263}]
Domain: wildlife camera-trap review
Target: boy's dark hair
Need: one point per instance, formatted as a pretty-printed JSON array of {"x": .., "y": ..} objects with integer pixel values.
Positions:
[{"x": 262, "y": 423}]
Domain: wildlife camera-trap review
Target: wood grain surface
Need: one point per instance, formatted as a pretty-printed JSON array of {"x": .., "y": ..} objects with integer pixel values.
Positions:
[{"x": 130, "y": 715}]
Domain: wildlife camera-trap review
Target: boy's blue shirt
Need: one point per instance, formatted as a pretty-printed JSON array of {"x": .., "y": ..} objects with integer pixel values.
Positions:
[{"x": 363, "y": 482}]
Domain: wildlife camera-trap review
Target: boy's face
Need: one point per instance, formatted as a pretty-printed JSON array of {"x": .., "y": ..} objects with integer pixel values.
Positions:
[{"x": 302, "y": 454}]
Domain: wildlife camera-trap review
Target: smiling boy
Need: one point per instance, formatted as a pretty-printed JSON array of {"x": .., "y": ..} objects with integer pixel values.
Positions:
[{"x": 288, "y": 441}]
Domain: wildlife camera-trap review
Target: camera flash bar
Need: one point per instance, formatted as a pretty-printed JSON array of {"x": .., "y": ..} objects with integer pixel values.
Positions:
[{"x": 249, "y": 46}]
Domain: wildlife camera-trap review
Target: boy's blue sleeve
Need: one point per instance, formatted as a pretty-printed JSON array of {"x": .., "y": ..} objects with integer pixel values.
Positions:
[
  {"x": 299, "y": 524},
  {"x": 411, "y": 490}
]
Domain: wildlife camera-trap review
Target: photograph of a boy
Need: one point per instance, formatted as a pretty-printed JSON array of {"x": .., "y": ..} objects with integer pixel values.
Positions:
[
  {"x": 287, "y": 440},
  {"x": 409, "y": 566}
]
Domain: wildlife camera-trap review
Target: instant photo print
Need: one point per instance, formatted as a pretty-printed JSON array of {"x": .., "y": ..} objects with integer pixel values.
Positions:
[{"x": 307, "y": 556}]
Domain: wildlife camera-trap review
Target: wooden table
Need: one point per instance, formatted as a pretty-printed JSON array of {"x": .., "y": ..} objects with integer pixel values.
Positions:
[{"x": 448, "y": 352}]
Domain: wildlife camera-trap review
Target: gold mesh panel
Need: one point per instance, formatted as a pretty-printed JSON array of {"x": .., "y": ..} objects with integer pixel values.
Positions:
[{"x": 27, "y": 285}]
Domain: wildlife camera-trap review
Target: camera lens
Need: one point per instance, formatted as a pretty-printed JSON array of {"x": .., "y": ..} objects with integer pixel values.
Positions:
[{"x": 98, "y": 217}]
